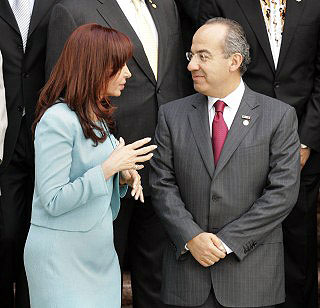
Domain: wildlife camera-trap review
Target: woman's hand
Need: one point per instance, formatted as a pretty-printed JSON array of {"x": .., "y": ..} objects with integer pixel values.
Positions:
[
  {"x": 133, "y": 179},
  {"x": 127, "y": 157}
]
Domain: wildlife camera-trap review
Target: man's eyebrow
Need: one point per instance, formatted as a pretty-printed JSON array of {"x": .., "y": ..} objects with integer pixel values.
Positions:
[{"x": 204, "y": 51}]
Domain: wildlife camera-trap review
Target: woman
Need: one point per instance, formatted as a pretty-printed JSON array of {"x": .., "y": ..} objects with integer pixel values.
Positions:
[{"x": 69, "y": 255}]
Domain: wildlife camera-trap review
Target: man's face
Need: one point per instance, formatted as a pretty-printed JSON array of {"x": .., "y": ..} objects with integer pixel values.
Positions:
[{"x": 208, "y": 66}]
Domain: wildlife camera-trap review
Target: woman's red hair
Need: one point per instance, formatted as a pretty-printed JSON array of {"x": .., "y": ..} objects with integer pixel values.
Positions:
[{"x": 90, "y": 58}]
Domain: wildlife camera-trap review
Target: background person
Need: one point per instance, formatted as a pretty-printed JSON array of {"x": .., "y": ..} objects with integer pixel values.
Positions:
[{"x": 23, "y": 28}]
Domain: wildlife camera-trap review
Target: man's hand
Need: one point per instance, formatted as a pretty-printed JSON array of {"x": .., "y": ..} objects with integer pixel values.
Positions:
[
  {"x": 304, "y": 155},
  {"x": 206, "y": 248}
]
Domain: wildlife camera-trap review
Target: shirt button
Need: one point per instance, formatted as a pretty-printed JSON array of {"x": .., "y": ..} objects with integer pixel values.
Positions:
[{"x": 276, "y": 84}]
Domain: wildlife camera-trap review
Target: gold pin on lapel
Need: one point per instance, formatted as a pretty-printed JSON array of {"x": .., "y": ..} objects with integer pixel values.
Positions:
[{"x": 153, "y": 4}]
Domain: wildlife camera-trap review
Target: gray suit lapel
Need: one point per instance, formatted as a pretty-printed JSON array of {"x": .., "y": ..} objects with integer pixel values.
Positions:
[
  {"x": 199, "y": 122},
  {"x": 238, "y": 130},
  {"x": 110, "y": 11}
]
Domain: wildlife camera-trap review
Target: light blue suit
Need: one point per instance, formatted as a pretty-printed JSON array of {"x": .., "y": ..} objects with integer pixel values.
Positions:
[{"x": 69, "y": 255}]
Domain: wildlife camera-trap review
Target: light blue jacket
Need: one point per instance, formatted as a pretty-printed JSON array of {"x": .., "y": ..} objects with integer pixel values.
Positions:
[{"x": 71, "y": 192}]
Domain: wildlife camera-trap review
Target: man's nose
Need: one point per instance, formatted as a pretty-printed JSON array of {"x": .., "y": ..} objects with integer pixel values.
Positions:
[{"x": 193, "y": 65}]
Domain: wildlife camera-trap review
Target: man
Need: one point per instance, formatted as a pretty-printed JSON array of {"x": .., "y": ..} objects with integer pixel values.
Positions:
[
  {"x": 23, "y": 28},
  {"x": 3, "y": 113},
  {"x": 222, "y": 198},
  {"x": 158, "y": 75},
  {"x": 284, "y": 36}
]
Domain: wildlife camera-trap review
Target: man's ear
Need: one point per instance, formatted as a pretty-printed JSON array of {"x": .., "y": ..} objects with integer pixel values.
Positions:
[{"x": 236, "y": 60}]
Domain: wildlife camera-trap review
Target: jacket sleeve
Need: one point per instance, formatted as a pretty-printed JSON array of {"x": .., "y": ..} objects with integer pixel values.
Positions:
[
  {"x": 54, "y": 141},
  {"x": 166, "y": 197},
  {"x": 310, "y": 125},
  {"x": 244, "y": 234}
]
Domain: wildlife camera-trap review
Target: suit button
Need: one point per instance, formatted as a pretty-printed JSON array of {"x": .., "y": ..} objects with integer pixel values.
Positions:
[
  {"x": 214, "y": 198},
  {"x": 159, "y": 91},
  {"x": 276, "y": 84},
  {"x": 26, "y": 75},
  {"x": 20, "y": 108}
]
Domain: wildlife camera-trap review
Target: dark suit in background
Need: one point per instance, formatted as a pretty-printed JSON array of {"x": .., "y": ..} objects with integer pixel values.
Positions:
[
  {"x": 188, "y": 11},
  {"x": 23, "y": 74},
  {"x": 136, "y": 117},
  {"x": 296, "y": 81}
]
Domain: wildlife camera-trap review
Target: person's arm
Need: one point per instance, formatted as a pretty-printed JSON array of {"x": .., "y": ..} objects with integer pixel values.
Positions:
[
  {"x": 279, "y": 196},
  {"x": 309, "y": 129},
  {"x": 166, "y": 198},
  {"x": 60, "y": 27},
  {"x": 3, "y": 111},
  {"x": 59, "y": 194}
]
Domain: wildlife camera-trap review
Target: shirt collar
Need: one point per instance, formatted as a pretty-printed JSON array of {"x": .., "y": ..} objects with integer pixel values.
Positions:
[{"x": 232, "y": 100}]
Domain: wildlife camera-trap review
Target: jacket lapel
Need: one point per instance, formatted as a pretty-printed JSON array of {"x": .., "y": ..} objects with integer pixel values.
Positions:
[
  {"x": 115, "y": 18},
  {"x": 294, "y": 10},
  {"x": 238, "y": 130},
  {"x": 158, "y": 14},
  {"x": 253, "y": 12},
  {"x": 7, "y": 15},
  {"x": 40, "y": 8},
  {"x": 199, "y": 122}
]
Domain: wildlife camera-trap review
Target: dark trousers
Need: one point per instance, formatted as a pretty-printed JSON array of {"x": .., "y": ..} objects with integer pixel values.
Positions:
[
  {"x": 212, "y": 302},
  {"x": 138, "y": 229},
  {"x": 300, "y": 247},
  {"x": 17, "y": 184}
]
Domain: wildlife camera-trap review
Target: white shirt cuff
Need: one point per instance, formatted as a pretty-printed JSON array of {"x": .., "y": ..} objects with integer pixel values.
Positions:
[{"x": 227, "y": 248}]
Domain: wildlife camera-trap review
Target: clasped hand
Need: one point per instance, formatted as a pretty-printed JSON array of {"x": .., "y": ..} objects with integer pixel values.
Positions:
[
  {"x": 127, "y": 159},
  {"x": 206, "y": 248}
]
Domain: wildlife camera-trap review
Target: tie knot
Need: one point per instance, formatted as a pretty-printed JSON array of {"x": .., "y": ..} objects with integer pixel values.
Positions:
[{"x": 219, "y": 106}]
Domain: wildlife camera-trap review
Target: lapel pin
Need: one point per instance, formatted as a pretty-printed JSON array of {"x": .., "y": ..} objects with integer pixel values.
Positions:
[
  {"x": 153, "y": 4},
  {"x": 246, "y": 120}
]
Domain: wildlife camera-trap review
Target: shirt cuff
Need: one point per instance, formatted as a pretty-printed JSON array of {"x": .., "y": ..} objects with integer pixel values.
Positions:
[{"x": 227, "y": 248}]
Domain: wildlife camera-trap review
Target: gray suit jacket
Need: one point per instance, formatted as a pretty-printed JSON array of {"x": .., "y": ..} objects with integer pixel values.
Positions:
[
  {"x": 3, "y": 111},
  {"x": 243, "y": 200},
  {"x": 137, "y": 107}
]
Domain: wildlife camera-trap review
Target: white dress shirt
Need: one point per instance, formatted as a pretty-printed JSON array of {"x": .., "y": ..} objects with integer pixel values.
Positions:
[
  {"x": 232, "y": 102},
  {"x": 31, "y": 3},
  {"x": 129, "y": 11}
]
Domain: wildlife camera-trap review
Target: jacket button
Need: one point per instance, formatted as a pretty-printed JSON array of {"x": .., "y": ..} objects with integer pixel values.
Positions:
[
  {"x": 276, "y": 84},
  {"x": 159, "y": 91},
  {"x": 25, "y": 75},
  {"x": 20, "y": 108}
]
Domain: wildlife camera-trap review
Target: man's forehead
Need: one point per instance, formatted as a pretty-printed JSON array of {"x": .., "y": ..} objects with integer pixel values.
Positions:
[{"x": 208, "y": 38}]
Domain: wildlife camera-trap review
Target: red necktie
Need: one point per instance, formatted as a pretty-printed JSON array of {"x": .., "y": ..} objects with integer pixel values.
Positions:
[{"x": 219, "y": 130}]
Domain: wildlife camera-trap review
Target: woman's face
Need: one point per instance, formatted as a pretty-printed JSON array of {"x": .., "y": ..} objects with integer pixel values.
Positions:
[{"x": 117, "y": 82}]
